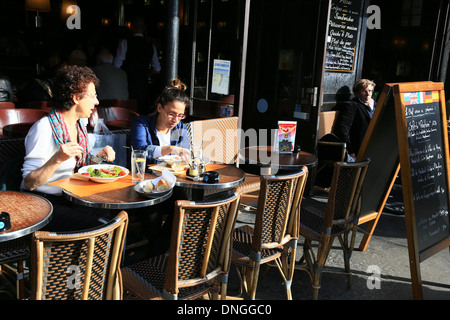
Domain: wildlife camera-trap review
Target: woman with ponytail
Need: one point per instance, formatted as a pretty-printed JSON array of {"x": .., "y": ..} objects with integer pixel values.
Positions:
[{"x": 162, "y": 132}]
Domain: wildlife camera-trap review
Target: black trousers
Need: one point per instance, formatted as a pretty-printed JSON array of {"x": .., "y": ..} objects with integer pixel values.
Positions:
[
  {"x": 70, "y": 217},
  {"x": 157, "y": 230}
]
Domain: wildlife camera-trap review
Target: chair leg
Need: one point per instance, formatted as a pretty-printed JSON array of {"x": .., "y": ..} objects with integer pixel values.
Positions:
[
  {"x": 347, "y": 249},
  {"x": 223, "y": 291},
  {"x": 215, "y": 293},
  {"x": 254, "y": 274},
  {"x": 20, "y": 280},
  {"x": 322, "y": 255},
  {"x": 286, "y": 266},
  {"x": 290, "y": 272}
]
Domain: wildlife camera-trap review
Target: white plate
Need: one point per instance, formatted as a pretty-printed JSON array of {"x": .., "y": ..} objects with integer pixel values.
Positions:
[
  {"x": 166, "y": 175},
  {"x": 170, "y": 158},
  {"x": 103, "y": 166}
]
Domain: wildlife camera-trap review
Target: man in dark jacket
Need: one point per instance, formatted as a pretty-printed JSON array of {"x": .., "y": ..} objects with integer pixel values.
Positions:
[
  {"x": 134, "y": 55},
  {"x": 354, "y": 116}
]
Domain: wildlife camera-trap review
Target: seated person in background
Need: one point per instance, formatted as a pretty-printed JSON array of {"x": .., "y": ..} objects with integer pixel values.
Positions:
[
  {"x": 113, "y": 81},
  {"x": 354, "y": 117},
  {"x": 57, "y": 144},
  {"x": 40, "y": 88},
  {"x": 163, "y": 132},
  {"x": 6, "y": 91},
  {"x": 77, "y": 58}
]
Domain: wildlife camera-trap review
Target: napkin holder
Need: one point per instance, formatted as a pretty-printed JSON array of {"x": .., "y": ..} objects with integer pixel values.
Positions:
[
  {"x": 211, "y": 177},
  {"x": 5, "y": 222},
  {"x": 196, "y": 170}
]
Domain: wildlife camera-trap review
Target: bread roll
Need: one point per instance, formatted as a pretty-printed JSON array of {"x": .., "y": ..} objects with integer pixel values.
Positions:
[
  {"x": 147, "y": 187},
  {"x": 79, "y": 176},
  {"x": 162, "y": 185}
]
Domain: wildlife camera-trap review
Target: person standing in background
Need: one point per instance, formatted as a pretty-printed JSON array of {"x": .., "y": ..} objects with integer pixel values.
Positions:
[
  {"x": 113, "y": 81},
  {"x": 134, "y": 55}
]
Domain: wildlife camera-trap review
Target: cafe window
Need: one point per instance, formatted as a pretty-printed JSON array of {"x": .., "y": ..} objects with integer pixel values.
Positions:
[
  {"x": 411, "y": 13},
  {"x": 216, "y": 55}
]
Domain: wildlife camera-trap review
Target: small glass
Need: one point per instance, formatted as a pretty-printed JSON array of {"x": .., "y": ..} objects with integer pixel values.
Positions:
[{"x": 138, "y": 160}]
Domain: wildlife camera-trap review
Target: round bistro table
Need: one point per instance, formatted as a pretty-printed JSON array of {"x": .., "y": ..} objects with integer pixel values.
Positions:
[
  {"x": 28, "y": 212},
  {"x": 120, "y": 198},
  {"x": 229, "y": 177}
]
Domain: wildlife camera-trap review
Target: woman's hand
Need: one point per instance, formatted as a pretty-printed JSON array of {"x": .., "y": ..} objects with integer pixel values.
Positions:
[
  {"x": 68, "y": 150},
  {"x": 107, "y": 152},
  {"x": 185, "y": 154},
  {"x": 41, "y": 175}
]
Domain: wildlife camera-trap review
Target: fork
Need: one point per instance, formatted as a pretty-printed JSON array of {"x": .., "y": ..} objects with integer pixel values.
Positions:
[{"x": 98, "y": 159}]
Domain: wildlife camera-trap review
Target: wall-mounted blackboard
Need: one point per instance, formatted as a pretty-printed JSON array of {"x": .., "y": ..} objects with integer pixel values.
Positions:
[
  {"x": 343, "y": 35},
  {"x": 344, "y": 50},
  {"x": 424, "y": 160}
]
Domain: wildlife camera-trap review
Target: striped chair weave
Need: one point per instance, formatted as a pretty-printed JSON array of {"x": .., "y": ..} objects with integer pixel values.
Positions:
[
  {"x": 78, "y": 266},
  {"x": 275, "y": 233},
  {"x": 197, "y": 257},
  {"x": 219, "y": 138},
  {"x": 337, "y": 218},
  {"x": 14, "y": 250}
]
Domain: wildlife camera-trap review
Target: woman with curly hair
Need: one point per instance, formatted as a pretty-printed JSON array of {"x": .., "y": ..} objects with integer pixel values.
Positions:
[{"x": 57, "y": 145}]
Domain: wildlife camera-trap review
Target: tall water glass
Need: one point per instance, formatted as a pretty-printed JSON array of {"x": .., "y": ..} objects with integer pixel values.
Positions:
[{"x": 138, "y": 160}]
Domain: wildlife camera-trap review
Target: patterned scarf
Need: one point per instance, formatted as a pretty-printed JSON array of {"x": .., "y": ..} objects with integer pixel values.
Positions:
[{"x": 61, "y": 135}]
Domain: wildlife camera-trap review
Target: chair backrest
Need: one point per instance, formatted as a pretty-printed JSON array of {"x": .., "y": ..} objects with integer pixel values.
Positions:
[
  {"x": 219, "y": 138},
  {"x": 7, "y": 105},
  {"x": 11, "y": 116},
  {"x": 130, "y": 104},
  {"x": 278, "y": 212},
  {"x": 81, "y": 265},
  {"x": 326, "y": 122},
  {"x": 42, "y": 105},
  {"x": 345, "y": 193},
  {"x": 201, "y": 242},
  {"x": 115, "y": 113}
]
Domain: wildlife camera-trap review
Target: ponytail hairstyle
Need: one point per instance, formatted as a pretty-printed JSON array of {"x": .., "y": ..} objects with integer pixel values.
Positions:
[{"x": 174, "y": 92}]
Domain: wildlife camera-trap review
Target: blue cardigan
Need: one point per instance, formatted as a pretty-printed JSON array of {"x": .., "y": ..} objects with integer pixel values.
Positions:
[{"x": 143, "y": 135}]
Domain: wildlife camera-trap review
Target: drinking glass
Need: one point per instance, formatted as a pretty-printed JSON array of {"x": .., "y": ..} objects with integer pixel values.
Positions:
[{"x": 138, "y": 160}]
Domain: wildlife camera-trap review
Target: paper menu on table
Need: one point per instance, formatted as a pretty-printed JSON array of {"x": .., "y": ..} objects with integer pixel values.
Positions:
[{"x": 285, "y": 137}]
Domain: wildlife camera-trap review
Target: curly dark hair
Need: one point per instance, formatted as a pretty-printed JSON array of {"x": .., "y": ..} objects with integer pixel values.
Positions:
[
  {"x": 174, "y": 92},
  {"x": 70, "y": 81}
]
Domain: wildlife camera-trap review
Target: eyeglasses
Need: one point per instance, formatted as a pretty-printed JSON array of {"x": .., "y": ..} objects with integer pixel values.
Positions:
[
  {"x": 174, "y": 115},
  {"x": 91, "y": 96}
]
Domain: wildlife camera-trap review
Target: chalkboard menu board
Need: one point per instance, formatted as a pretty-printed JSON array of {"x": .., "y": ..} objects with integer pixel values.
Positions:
[
  {"x": 428, "y": 169},
  {"x": 424, "y": 161},
  {"x": 343, "y": 35}
]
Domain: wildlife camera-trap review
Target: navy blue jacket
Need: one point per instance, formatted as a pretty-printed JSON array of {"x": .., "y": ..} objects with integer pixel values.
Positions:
[{"x": 143, "y": 135}]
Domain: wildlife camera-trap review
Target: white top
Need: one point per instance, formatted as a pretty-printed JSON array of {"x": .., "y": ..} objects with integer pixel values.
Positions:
[
  {"x": 40, "y": 146},
  {"x": 164, "y": 140}
]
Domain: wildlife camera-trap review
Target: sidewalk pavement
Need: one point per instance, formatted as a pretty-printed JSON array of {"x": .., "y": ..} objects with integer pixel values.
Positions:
[{"x": 387, "y": 250}]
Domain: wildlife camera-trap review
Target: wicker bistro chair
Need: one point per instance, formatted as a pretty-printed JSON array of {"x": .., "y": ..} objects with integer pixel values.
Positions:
[
  {"x": 338, "y": 218},
  {"x": 81, "y": 265},
  {"x": 15, "y": 252},
  {"x": 198, "y": 259},
  {"x": 329, "y": 151},
  {"x": 219, "y": 139},
  {"x": 275, "y": 235}
]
